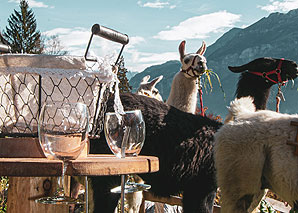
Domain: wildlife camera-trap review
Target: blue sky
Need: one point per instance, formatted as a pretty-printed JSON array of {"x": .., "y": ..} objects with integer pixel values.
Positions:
[{"x": 155, "y": 27}]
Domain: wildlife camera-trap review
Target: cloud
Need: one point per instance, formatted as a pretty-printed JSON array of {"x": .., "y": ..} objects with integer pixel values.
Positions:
[
  {"x": 141, "y": 60},
  {"x": 33, "y": 3},
  {"x": 156, "y": 4},
  {"x": 280, "y": 6},
  {"x": 200, "y": 26},
  {"x": 75, "y": 40}
]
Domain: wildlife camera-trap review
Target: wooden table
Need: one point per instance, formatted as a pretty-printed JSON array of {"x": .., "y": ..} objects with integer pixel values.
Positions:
[
  {"x": 31, "y": 175},
  {"x": 92, "y": 165}
]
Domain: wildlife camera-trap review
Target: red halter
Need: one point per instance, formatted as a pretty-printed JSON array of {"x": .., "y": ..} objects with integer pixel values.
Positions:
[
  {"x": 280, "y": 82},
  {"x": 190, "y": 68},
  {"x": 276, "y": 71}
]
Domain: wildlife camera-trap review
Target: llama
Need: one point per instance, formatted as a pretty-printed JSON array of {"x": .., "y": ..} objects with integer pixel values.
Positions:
[
  {"x": 184, "y": 89},
  {"x": 258, "y": 76},
  {"x": 251, "y": 155},
  {"x": 183, "y": 142},
  {"x": 134, "y": 200},
  {"x": 148, "y": 88}
]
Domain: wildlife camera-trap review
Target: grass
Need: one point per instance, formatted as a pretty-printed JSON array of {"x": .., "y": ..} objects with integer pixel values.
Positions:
[{"x": 3, "y": 194}]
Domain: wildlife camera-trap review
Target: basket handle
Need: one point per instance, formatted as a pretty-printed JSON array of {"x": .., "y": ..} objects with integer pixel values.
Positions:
[{"x": 110, "y": 34}]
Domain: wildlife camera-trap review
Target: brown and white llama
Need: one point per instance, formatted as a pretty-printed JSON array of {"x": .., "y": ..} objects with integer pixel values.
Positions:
[
  {"x": 184, "y": 89},
  {"x": 147, "y": 87}
]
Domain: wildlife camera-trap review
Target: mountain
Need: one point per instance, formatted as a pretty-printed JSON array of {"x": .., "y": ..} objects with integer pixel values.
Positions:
[{"x": 273, "y": 36}]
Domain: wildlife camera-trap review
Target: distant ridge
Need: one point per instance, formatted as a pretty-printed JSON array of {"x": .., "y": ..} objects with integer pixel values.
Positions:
[{"x": 273, "y": 36}]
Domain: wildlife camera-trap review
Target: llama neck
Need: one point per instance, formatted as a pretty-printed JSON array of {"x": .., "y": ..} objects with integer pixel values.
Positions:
[
  {"x": 256, "y": 87},
  {"x": 184, "y": 92}
]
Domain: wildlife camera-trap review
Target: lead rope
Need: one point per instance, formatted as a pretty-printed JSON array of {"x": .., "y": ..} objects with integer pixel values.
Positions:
[
  {"x": 279, "y": 96},
  {"x": 201, "y": 96}
]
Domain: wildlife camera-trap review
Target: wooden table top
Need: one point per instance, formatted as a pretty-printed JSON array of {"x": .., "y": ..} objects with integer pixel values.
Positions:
[{"x": 92, "y": 165}]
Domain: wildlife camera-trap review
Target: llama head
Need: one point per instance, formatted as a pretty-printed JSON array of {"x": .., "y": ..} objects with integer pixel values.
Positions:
[
  {"x": 148, "y": 88},
  {"x": 193, "y": 64},
  {"x": 270, "y": 69}
]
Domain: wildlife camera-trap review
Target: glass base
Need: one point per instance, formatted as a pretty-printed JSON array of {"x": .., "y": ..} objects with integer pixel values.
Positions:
[
  {"x": 131, "y": 187},
  {"x": 59, "y": 200}
]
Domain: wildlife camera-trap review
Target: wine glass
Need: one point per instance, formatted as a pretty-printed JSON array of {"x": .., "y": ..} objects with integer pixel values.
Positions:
[
  {"x": 125, "y": 135},
  {"x": 63, "y": 132}
]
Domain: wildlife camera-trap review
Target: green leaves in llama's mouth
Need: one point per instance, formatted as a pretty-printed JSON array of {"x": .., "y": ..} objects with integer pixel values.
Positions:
[{"x": 205, "y": 81}]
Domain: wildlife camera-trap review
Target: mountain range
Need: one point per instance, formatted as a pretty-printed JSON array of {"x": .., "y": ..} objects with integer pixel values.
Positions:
[{"x": 273, "y": 36}]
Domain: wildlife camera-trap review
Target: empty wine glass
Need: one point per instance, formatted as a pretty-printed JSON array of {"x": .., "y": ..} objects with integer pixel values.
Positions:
[
  {"x": 125, "y": 135},
  {"x": 63, "y": 132}
]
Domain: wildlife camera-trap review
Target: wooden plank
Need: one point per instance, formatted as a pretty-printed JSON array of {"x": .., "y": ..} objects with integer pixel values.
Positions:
[
  {"x": 173, "y": 200},
  {"x": 26, "y": 148},
  {"x": 93, "y": 165},
  {"x": 24, "y": 157},
  {"x": 110, "y": 165},
  {"x": 20, "y": 147},
  {"x": 30, "y": 167},
  {"x": 294, "y": 123},
  {"x": 22, "y": 193}
]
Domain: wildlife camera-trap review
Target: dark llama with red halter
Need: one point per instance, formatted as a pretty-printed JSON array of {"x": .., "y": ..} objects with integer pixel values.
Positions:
[
  {"x": 183, "y": 142},
  {"x": 258, "y": 76}
]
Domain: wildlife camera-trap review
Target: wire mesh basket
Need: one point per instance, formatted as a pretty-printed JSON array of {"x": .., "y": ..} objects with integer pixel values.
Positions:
[{"x": 27, "y": 81}]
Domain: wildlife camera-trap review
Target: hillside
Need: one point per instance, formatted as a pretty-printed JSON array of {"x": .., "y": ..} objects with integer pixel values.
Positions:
[{"x": 273, "y": 36}]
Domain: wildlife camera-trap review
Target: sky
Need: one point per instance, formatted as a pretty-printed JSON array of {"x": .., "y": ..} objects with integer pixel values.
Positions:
[{"x": 155, "y": 27}]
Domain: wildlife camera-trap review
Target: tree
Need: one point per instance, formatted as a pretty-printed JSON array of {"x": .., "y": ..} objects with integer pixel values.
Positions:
[
  {"x": 21, "y": 34},
  {"x": 124, "y": 84},
  {"x": 53, "y": 46}
]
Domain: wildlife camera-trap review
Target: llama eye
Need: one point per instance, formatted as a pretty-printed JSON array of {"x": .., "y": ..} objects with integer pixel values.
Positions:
[
  {"x": 186, "y": 60},
  {"x": 147, "y": 94}
]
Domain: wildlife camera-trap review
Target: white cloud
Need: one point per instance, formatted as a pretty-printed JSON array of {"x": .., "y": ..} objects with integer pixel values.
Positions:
[
  {"x": 138, "y": 61},
  {"x": 200, "y": 26},
  {"x": 280, "y": 6},
  {"x": 156, "y": 4},
  {"x": 75, "y": 40},
  {"x": 33, "y": 3}
]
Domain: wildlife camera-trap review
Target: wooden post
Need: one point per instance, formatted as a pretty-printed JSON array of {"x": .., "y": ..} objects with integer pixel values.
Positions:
[
  {"x": 23, "y": 191},
  {"x": 295, "y": 143}
]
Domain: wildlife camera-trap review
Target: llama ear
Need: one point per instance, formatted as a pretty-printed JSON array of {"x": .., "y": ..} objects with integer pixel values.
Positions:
[
  {"x": 236, "y": 69},
  {"x": 145, "y": 79},
  {"x": 156, "y": 80},
  {"x": 182, "y": 50},
  {"x": 202, "y": 49},
  {"x": 254, "y": 65}
]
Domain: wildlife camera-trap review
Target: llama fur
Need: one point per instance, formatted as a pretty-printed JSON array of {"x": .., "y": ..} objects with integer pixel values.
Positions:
[
  {"x": 259, "y": 87},
  {"x": 146, "y": 88},
  {"x": 183, "y": 142},
  {"x": 251, "y": 155},
  {"x": 184, "y": 88}
]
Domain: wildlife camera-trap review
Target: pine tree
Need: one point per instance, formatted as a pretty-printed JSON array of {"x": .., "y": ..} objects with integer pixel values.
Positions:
[
  {"x": 21, "y": 34},
  {"x": 124, "y": 84}
]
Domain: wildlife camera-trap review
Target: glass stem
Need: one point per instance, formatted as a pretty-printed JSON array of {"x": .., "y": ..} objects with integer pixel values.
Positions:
[
  {"x": 122, "y": 193},
  {"x": 60, "y": 188}
]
